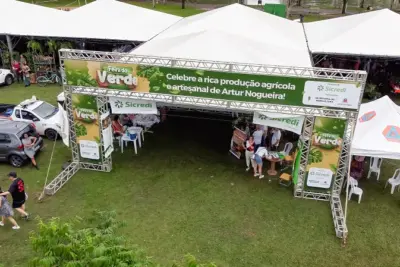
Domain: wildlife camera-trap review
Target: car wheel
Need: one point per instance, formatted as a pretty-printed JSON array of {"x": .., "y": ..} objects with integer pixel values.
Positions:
[
  {"x": 16, "y": 161},
  {"x": 51, "y": 134},
  {"x": 9, "y": 79}
]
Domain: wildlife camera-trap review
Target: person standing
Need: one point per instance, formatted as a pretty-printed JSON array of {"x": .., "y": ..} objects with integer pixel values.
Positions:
[
  {"x": 276, "y": 138},
  {"x": 249, "y": 152},
  {"x": 7, "y": 212},
  {"x": 17, "y": 192},
  {"x": 258, "y": 136},
  {"x": 261, "y": 153},
  {"x": 26, "y": 74},
  {"x": 22, "y": 60},
  {"x": 29, "y": 143},
  {"x": 17, "y": 70}
]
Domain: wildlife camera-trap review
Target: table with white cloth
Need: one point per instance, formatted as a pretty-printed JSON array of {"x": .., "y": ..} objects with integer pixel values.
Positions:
[{"x": 145, "y": 120}]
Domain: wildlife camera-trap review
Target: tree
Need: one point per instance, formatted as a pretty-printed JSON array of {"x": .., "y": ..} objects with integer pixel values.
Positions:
[
  {"x": 58, "y": 244},
  {"x": 344, "y": 6}
]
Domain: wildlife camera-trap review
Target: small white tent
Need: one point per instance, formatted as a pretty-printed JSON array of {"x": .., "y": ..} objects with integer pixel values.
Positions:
[
  {"x": 377, "y": 133},
  {"x": 233, "y": 33},
  {"x": 374, "y": 33},
  {"x": 114, "y": 20}
]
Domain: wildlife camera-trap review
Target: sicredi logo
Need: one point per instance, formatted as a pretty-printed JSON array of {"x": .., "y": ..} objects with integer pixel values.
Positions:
[{"x": 116, "y": 75}]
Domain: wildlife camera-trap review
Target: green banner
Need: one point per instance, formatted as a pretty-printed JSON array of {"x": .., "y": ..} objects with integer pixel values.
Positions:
[
  {"x": 296, "y": 165},
  {"x": 211, "y": 84},
  {"x": 325, "y": 152},
  {"x": 86, "y": 124}
]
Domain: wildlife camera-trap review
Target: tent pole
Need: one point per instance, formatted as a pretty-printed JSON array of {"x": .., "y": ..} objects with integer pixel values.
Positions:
[
  {"x": 347, "y": 200},
  {"x": 10, "y": 48}
]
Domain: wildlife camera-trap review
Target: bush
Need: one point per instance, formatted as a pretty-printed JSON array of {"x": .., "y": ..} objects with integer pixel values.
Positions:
[{"x": 97, "y": 244}]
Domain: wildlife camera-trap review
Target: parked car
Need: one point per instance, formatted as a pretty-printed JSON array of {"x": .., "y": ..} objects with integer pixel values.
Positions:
[
  {"x": 11, "y": 148},
  {"x": 46, "y": 117},
  {"x": 6, "y": 77}
]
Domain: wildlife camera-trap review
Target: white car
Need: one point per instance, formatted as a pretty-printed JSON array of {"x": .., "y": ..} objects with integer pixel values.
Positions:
[
  {"x": 47, "y": 118},
  {"x": 6, "y": 77}
]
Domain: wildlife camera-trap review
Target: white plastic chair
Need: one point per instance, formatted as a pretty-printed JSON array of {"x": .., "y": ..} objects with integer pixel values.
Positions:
[
  {"x": 354, "y": 189},
  {"x": 394, "y": 181},
  {"x": 288, "y": 147},
  {"x": 124, "y": 141},
  {"x": 375, "y": 167}
]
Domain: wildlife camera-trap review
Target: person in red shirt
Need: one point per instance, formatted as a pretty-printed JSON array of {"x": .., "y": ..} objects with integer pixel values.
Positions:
[
  {"x": 17, "y": 70},
  {"x": 117, "y": 127}
]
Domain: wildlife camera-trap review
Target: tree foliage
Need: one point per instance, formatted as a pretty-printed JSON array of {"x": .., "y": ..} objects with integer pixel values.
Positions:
[{"x": 96, "y": 244}]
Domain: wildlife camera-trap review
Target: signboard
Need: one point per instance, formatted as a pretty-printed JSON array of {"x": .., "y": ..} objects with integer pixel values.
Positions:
[
  {"x": 335, "y": 95},
  {"x": 210, "y": 84},
  {"x": 121, "y": 105},
  {"x": 238, "y": 139},
  {"x": 108, "y": 147},
  {"x": 325, "y": 151},
  {"x": 285, "y": 122},
  {"x": 86, "y": 124}
]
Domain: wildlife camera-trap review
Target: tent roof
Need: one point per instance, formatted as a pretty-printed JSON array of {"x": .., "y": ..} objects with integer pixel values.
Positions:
[
  {"x": 233, "y": 33},
  {"x": 115, "y": 20},
  {"x": 42, "y": 21},
  {"x": 377, "y": 132},
  {"x": 373, "y": 33}
]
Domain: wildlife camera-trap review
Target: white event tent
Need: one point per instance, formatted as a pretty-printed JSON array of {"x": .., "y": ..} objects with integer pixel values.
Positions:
[
  {"x": 24, "y": 19},
  {"x": 114, "y": 20},
  {"x": 374, "y": 33},
  {"x": 377, "y": 133},
  {"x": 233, "y": 33}
]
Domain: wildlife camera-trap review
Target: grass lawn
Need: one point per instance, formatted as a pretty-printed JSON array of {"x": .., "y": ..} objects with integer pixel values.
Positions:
[{"x": 183, "y": 193}]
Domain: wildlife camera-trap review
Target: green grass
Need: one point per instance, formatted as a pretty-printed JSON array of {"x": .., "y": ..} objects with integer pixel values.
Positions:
[{"x": 183, "y": 193}]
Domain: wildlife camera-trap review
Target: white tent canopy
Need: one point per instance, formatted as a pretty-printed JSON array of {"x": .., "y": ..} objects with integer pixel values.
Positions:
[
  {"x": 114, "y": 20},
  {"x": 374, "y": 33},
  {"x": 377, "y": 133},
  {"x": 24, "y": 19},
  {"x": 233, "y": 33}
]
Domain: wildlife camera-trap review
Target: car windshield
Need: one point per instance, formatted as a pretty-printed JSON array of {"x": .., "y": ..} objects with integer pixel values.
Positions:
[{"x": 45, "y": 110}]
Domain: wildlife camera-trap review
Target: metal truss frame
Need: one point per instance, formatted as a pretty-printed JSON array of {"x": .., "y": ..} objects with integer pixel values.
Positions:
[{"x": 219, "y": 105}]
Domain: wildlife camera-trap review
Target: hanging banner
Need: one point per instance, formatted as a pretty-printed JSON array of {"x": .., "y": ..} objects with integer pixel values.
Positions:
[
  {"x": 296, "y": 165},
  {"x": 237, "y": 142},
  {"x": 280, "y": 90},
  {"x": 325, "y": 151},
  {"x": 107, "y": 134},
  {"x": 86, "y": 124},
  {"x": 64, "y": 125},
  {"x": 121, "y": 105},
  {"x": 293, "y": 124}
]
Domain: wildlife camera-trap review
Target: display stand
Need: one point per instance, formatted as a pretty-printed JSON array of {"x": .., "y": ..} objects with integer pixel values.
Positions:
[
  {"x": 329, "y": 75},
  {"x": 43, "y": 64}
]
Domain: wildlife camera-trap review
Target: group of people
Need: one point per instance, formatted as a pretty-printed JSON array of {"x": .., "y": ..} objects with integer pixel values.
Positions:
[
  {"x": 22, "y": 71},
  {"x": 19, "y": 197},
  {"x": 257, "y": 146}
]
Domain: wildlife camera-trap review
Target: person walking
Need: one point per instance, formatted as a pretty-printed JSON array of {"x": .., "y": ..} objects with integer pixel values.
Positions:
[
  {"x": 17, "y": 192},
  {"x": 7, "y": 212},
  {"x": 249, "y": 152},
  {"x": 29, "y": 143},
  {"x": 26, "y": 74}
]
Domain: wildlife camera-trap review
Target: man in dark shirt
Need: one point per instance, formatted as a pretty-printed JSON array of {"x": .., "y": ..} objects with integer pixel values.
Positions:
[{"x": 17, "y": 191}]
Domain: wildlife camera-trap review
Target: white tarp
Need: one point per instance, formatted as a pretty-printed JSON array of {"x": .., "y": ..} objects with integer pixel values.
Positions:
[
  {"x": 233, "y": 33},
  {"x": 121, "y": 105},
  {"x": 64, "y": 126},
  {"x": 282, "y": 121},
  {"x": 374, "y": 33},
  {"x": 115, "y": 20},
  {"x": 377, "y": 133},
  {"x": 32, "y": 20}
]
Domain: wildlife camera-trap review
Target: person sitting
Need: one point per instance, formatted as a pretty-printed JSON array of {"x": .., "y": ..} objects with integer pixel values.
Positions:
[
  {"x": 117, "y": 127},
  {"x": 126, "y": 121},
  {"x": 357, "y": 167}
]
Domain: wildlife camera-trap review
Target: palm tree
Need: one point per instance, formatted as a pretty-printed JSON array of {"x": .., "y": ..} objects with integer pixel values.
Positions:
[{"x": 34, "y": 46}]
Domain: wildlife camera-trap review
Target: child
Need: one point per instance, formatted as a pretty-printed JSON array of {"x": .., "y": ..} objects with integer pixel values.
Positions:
[{"x": 6, "y": 211}]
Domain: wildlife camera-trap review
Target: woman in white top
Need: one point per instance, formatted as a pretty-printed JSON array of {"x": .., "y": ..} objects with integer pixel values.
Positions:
[
  {"x": 261, "y": 153},
  {"x": 249, "y": 152},
  {"x": 276, "y": 138}
]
